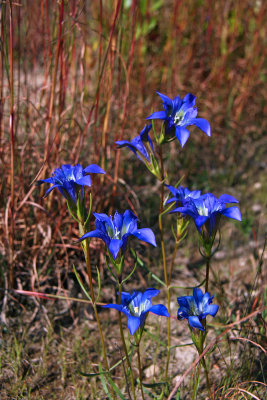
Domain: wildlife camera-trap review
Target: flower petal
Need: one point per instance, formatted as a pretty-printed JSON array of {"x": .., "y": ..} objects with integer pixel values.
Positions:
[
  {"x": 202, "y": 124},
  {"x": 200, "y": 220},
  {"x": 85, "y": 180},
  {"x": 165, "y": 99},
  {"x": 206, "y": 300},
  {"x": 226, "y": 198},
  {"x": 50, "y": 190},
  {"x": 115, "y": 306},
  {"x": 146, "y": 235},
  {"x": 125, "y": 298},
  {"x": 158, "y": 115},
  {"x": 184, "y": 302},
  {"x": 159, "y": 309},
  {"x": 41, "y": 181},
  {"x": 114, "y": 247},
  {"x": 149, "y": 293},
  {"x": 93, "y": 169},
  {"x": 182, "y": 135},
  {"x": 190, "y": 99},
  {"x": 195, "y": 323},
  {"x": 133, "y": 324},
  {"x": 211, "y": 309},
  {"x": 232, "y": 212},
  {"x": 95, "y": 234},
  {"x": 198, "y": 295},
  {"x": 123, "y": 143}
]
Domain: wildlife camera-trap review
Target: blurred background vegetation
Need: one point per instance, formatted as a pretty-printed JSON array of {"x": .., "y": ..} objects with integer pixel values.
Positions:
[{"x": 75, "y": 76}]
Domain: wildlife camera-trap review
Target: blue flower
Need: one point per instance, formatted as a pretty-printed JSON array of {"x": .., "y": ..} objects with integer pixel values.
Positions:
[
  {"x": 195, "y": 308},
  {"x": 136, "y": 307},
  {"x": 207, "y": 209},
  {"x": 137, "y": 145},
  {"x": 115, "y": 231},
  {"x": 70, "y": 179},
  {"x": 178, "y": 114},
  {"x": 181, "y": 194}
]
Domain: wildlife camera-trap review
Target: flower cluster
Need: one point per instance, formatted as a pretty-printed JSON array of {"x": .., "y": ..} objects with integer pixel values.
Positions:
[
  {"x": 137, "y": 145},
  {"x": 195, "y": 308},
  {"x": 178, "y": 114},
  {"x": 205, "y": 209},
  {"x": 69, "y": 179},
  {"x": 115, "y": 231},
  {"x": 136, "y": 307}
]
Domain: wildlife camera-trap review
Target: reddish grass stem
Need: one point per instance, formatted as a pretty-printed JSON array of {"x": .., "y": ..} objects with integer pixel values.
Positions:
[{"x": 12, "y": 154}]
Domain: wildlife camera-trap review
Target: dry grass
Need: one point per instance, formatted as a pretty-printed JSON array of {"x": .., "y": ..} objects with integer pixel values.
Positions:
[{"x": 75, "y": 76}]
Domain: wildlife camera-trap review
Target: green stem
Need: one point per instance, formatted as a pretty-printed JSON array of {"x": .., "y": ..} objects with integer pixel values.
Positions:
[
  {"x": 89, "y": 272},
  {"x": 207, "y": 274},
  {"x": 164, "y": 258},
  {"x": 160, "y": 218},
  {"x": 125, "y": 347},
  {"x": 173, "y": 258},
  {"x": 168, "y": 335},
  {"x": 140, "y": 369},
  {"x": 207, "y": 377},
  {"x": 196, "y": 382}
]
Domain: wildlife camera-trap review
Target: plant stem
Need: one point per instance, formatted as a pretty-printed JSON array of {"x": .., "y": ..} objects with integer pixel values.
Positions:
[
  {"x": 164, "y": 259},
  {"x": 207, "y": 274},
  {"x": 168, "y": 335},
  {"x": 125, "y": 347},
  {"x": 207, "y": 377},
  {"x": 160, "y": 217},
  {"x": 173, "y": 258},
  {"x": 12, "y": 155},
  {"x": 89, "y": 272},
  {"x": 196, "y": 382},
  {"x": 140, "y": 369}
]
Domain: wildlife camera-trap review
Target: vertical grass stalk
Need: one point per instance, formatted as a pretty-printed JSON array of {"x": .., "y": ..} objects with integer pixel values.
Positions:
[
  {"x": 164, "y": 258},
  {"x": 12, "y": 153},
  {"x": 124, "y": 345},
  {"x": 140, "y": 369}
]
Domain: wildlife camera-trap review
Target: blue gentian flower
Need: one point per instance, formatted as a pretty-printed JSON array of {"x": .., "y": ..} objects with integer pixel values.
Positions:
[
  {"x": 136, "y": 307},
  {"x": 115, "y": 231},
  {"x": 207, "y": 209},
  {"x": 69, "y": 179},
  {"x": 181, "y": 194},
  {"x": 178, "y": 114},
  {"x": 137, "y": 145},
  {"x": 195, "y": 308}
]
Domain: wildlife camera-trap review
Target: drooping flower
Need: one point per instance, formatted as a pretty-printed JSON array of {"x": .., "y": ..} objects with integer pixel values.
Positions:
[
  {"x": 206, "y": 211},
  {"x": 69, "y": 179},
  {"x": 195, "y": 308},
  {"x": 137, "y": 145},
  {"x": 178, "y": 114},
  {"x": 115, "y": 231},
  {"x": 181, "y": 194},
  {"x": 136, "y": 307}
]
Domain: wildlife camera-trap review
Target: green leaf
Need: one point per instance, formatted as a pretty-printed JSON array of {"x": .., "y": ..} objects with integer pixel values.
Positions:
[
  {"x": 140, "y": 262},
  {"x": 155, "y": 384},
  {"x": 104, "y": 383},
  {"x": 81, "y": 284},
  {"x": 115, "y": 387}
]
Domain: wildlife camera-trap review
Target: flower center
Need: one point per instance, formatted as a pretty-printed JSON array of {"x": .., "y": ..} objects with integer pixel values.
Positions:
[
  {"x": 194, "y": 311},
  {"x": 178, "y": 117},
  {"x": 203, "y": 211},
  {"x": 134, "y": 310},
  {"x": 116, "y": 233}
]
